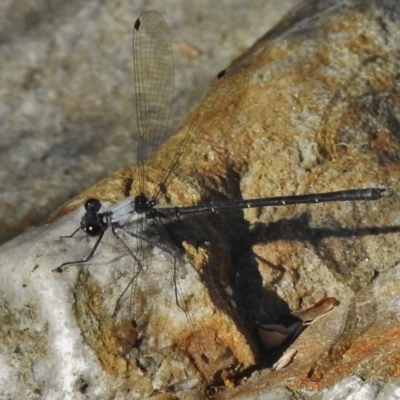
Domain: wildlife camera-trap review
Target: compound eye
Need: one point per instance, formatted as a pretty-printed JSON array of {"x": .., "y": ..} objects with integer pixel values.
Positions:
[
  {"x": 93, "y": 229},
  {"x": 92, "y": 205}
]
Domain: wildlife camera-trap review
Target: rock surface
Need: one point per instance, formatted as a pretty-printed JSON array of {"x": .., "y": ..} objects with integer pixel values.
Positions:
[{"x": 321, "y": 114}]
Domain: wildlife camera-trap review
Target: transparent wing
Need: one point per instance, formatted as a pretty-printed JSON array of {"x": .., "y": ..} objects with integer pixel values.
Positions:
[
  {"x": 154, "y": 81},
  {"x": 163, "y": 284},
  {"x": 154, "y": 284},
  {"x": 218, "y": 112},
  {"x": 164, "y": 291}
]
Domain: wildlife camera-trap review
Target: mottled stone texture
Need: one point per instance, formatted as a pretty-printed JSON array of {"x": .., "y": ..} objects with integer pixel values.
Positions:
[{"x": 322, "y": 113}]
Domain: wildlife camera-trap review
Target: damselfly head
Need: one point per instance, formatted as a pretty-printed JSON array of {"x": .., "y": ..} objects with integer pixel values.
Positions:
[{"x": 93, "y": 223}]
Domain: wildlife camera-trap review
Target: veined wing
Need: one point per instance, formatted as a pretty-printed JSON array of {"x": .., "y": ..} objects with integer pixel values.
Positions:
[
  {"x": 162, "y": 284},
  {"x": 217, "y": 112},
  {"x": 154, "y": 83}
]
